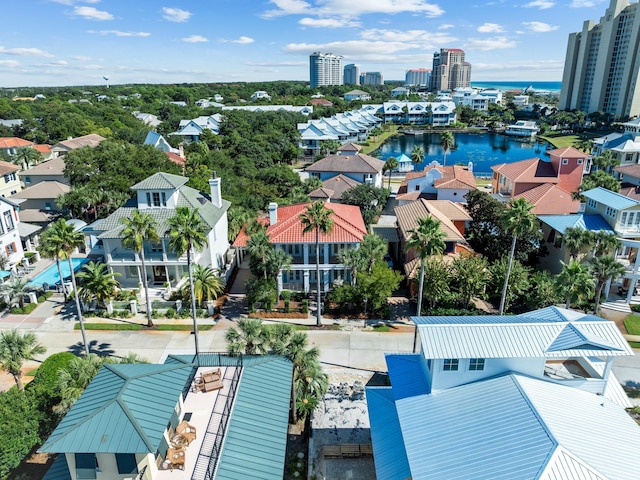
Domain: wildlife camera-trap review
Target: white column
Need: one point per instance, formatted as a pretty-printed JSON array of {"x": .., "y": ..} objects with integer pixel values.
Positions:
[
  {"x": 305, "y": 280},
  {"x": 326, "y": 253},
  {"x": 325, "y": 279},
  {"x": 279, "y": 288},
  {"x": 305, "y": 254}
]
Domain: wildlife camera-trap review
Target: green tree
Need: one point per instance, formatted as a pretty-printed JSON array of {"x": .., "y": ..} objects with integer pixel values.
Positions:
[
  {"x": 518, "y": 220},
  {"x": 74, "y": 379},
  {"x": 438, "y": 288},
  {"x": 575, "y": 282},
  {"x": 519, "y": 284},
  {"x": 376, "y": 286},
  {"x": 138, "y": 229},
  {"x": 188, "y": 232},
  {"x": 370, "y": 199},
  {"x": 604, "y": 268},
  {"x": 250, "y": 338},
  {"x": 427, "y": 239},
  {"x": 599, "y": 178},
  {"x": 97, "y": 282},
  {"x": 65, "y": 239},
  {"x": 575, "y": 239},
  {"x": 469, "y": 277},
  {"x": 352, "y": 261},
  {"x": 259, "y": 247},
  {"x": 276, "y": 261},
  {"x": 417, "y": 155},
  {"x": 48, "y": 249},
  {"x": 389, "y": 166},
  {"x": 317, "y": 218},
  {"x": 15, "y": 289},
  {"x": 26, "y": 156},
  {"x": 447, "y": 141},
  {"x": 15, "y": 349},
  {"x": 604, "y": 243},
  {"x": 372, "y": 249},
  {"x": 207, "y": 284}
]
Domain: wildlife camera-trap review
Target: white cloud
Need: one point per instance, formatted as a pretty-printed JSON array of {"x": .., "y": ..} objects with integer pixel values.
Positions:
[
  {"x": 328, "y": 22},
  {"x": 91, "y": 13},
  {"x": 422, "y": 37},
  {"x": 541, "y": 4},
  {"x": 81, "y": 58},
  {"x": 9, "y": 63},
  {"x": 486, "y": 44},
  {"x": 445, "y": 26},
  {"x": 242, "y": 40},
  {"x": 352, "y": 8},
  {"x": 490, "y": 28},
  {"x": 25, "y": 52},
  {"x": 540, "y": 27},
  {"x": 195, "y": 39},
  {"x": 119, "y": 33},
  {"x": 582, "y": 3},
  {"x": 176, "y": 14}
]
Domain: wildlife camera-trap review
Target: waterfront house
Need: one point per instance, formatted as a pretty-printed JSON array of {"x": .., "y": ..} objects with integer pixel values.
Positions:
[
  {"x": 522, "y": 128},
  {"x": 159, "y": 195},
  {"x": 419, "y": 113},
  {"x": 157, "y": 422},
  {"x": 436, "y": 182},
  {"x": 285, "y": 231},
  {"x": 533, "y": 394}
]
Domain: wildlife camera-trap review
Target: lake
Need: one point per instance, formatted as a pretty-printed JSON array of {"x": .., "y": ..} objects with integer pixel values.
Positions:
[{"x": 483, "y": 149}]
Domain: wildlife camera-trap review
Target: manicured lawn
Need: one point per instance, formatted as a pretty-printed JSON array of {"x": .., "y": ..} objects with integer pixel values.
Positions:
[
  {"x": 373, "y": 146},
  {"x": 136, "y": 326},
  {"x": 634, "y": 344},
  {"x": 559, "y": 140},
  {"x": 632, "y": 324},
  {"x": 381, "y": 328}
]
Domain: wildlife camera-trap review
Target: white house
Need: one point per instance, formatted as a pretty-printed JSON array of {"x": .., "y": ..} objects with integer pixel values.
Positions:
[
  {"x": 625, "y": 146},
  {"x": 260, "y": 94},
  {"x": 439, "y": 183},
  {"x": 159, "y": 195},
  {"x": 10, "y": 243},
  {"x": 356, "y": 95},
  {"x": 522, "y": 128},
  {"x": 530, "y": 396}
]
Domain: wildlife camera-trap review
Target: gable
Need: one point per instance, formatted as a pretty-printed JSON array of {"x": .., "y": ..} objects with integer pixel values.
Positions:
[{"x": 571, "y": 338}]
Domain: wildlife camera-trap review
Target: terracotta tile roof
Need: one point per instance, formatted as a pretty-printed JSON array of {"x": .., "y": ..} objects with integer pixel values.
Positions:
[
  {"x": 455, "y": 176},
  {"x": 409, "y": 214},
  {"x": 409, "y": 176},
  {"x": 14, "y": 142},
  {"x": 321, "y": 101},
  {"x": 177, "y": 159},
  {"x": 43, "y": 148},
  {"x": 568, "y": 152},
  {"x": 358, "y": 163},
  {"x": 6, "y": 167},
  {"x": 348, "y": 226},
  {"x": 528, "y": 171},
  {"x": 549, "y": 199}
]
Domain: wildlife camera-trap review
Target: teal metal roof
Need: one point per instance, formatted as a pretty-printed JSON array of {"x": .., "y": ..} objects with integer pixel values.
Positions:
[
  {"x": 592, "y": 222},
  {"x": 59, "y": 470},
  {"x": 256, "y": 438},
  {"x": 389, "y": 454},
  {"x": 610, "y": 199},
  {"x": 130, "y": 405}
]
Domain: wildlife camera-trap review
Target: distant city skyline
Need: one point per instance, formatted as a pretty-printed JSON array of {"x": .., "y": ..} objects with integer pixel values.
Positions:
[{"x": 79, "y": 42}]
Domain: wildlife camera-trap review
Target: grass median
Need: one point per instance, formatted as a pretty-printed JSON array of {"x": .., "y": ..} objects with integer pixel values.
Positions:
[{"x": 136, "y": 327}]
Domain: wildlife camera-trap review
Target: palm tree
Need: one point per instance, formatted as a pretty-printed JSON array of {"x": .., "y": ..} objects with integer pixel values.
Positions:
[
  {"x": 250, "y": 338},
  {"x": 188, "y": 231},
  {"x": 73, "y": 380},
  {"x": 604, "y": 268},
  {"x": 317, "y": 218},
  {"x": 15, "y": 349},
  {"x": 49, "y": 250},
  {"x": 604, "y": 243},
  {"x": 575, "y": 239},
  {"x": 259, "y": 247},
  {"x": 276, "y": 261},
  {"x": 97, "y": 282},
  {"x": 65, "y": 239},
  {"x": 427, "y": 238},
  {"x": 206, "y": 284},
  {"x": 372, "y": 248},
  {"x": 25, "y": 156},
  {"x": 138, "y": 228},
  {"x": 352, "y": 260},
  {"x": 417, "y": 155},
  {"x": 446, "y": 142},
  {"x": 575, "y": 282},
  {"x": 15, "y": 290},
  {"x": 390, "y": 165},
  {"x": 517, "y": 220}
]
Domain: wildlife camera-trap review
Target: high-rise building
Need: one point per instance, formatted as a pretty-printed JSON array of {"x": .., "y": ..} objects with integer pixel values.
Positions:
[
  {"x": 417, "y": 76},
  {"x": 450, "y": 71},
  {"x": 602, "y": 65},
  {"x": 352, "y": 74},
  {"x": 325, "y": 69},
  {"x": 371, "y": 78}
]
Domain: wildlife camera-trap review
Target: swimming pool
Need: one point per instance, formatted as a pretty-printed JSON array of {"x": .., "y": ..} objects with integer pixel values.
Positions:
[{"x": 51, "y": 277}]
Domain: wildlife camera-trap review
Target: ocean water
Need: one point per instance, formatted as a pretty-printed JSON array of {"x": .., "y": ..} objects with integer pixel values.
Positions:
[{"x": 507, "y": 85}]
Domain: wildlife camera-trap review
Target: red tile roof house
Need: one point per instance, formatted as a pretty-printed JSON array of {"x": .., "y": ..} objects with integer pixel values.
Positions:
[
  {"x": 436, "y": 182},
  {"x": 547, "y": 185},
  {"x": 284, "y": 228},
  {"x": 10, "y": 144}
]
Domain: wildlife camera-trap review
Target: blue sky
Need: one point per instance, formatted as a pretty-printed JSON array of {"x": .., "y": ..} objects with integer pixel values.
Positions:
[{"x": 77, "y": 42}]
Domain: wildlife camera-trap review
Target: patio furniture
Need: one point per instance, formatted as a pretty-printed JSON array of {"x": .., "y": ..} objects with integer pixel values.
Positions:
[
  {"x": 175, "y": 457},
  {"x": 186, "y": 431},
  {"x": 209, "y": 381},
  {"x": 178, "y": 441}
]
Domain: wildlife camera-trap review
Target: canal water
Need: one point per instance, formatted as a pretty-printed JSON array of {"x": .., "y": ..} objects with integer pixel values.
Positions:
[{"x": 483, "y": 149}]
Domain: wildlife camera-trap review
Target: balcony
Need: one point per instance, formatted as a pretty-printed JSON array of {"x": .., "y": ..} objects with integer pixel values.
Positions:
[
  {"x": 578, "y": 373},
  {"x": 299, "y": 260},
  {"x": 129, "y": 256}
]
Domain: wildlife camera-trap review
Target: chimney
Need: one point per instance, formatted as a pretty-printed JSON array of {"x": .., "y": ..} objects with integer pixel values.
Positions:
[
  {"x": 181, "y": 150},
  {"x": 273, "y": 213},
  {"x": 216, "y": 195},
  {"x": 470, "y": 167}
]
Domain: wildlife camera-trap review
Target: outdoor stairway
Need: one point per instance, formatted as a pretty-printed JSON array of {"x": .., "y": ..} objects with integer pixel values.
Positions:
[
  {"x": 619, "y": 305},
  {"x": 207, "y": 461}
]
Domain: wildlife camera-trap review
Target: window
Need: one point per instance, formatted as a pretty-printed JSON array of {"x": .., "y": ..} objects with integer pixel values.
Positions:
[
  {"x": 579, "y": 161},
  {"x": 476, "y": 364},
  {"x": 86, "y": 466},
  {"x": 127, "y": 463},
  {"x": 450, "y": 364},
  {"x": 148, "y": 199},
  {"x": 163, "y": 195},
  {"x": 10, "y": 177},
  {"x": 47, "y": 206},
  {"x": 591, "y": 203},
  {"x": 11, "y": 249},
  {"x": 133, "y": 272},
  {"x": 8, "y": 220},
  {"x": 611, "y": 212},
  {"x": 156, "y": 199},
  {"x": 27, "y": 180},
  {"x": 565, "y": 161}
]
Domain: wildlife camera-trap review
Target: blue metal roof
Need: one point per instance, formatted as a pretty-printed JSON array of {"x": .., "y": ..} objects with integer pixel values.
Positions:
[
  {"x": 478, "y": 431},
  {"x": 407, "y": 375},
  {"x": 256, "y": 437},
  {"x": 59, "y": 470},
  {"x": 610, "y": 199},
  {"x": 389, "y": 454},
  {"x": 117, "y": 404},
  {"x": 152, "y": 138},
  {"x": 591, "y": 222}
]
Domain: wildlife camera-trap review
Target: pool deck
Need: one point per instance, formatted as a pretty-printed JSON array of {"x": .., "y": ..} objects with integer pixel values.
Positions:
[{"x": 44, "y": 264}]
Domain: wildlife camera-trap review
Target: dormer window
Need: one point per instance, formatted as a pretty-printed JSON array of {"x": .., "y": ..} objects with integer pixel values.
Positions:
[{"x": 156, "y": 199}]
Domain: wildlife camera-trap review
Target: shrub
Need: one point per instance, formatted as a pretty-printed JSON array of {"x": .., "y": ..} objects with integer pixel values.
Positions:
[
  {"x": 305, "y": 305},
  {"x": 28, "y": 308},
  {"x": 285, "y": 295},
  {"x": 42, "y": 299},
  {"x": 635, "y": 307},
  {"x": 44, "y": 385},
  {"x": 171, "y": 313},
  {"x": 287, "y": 307},
  {"x": 29, "y": 254}
]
